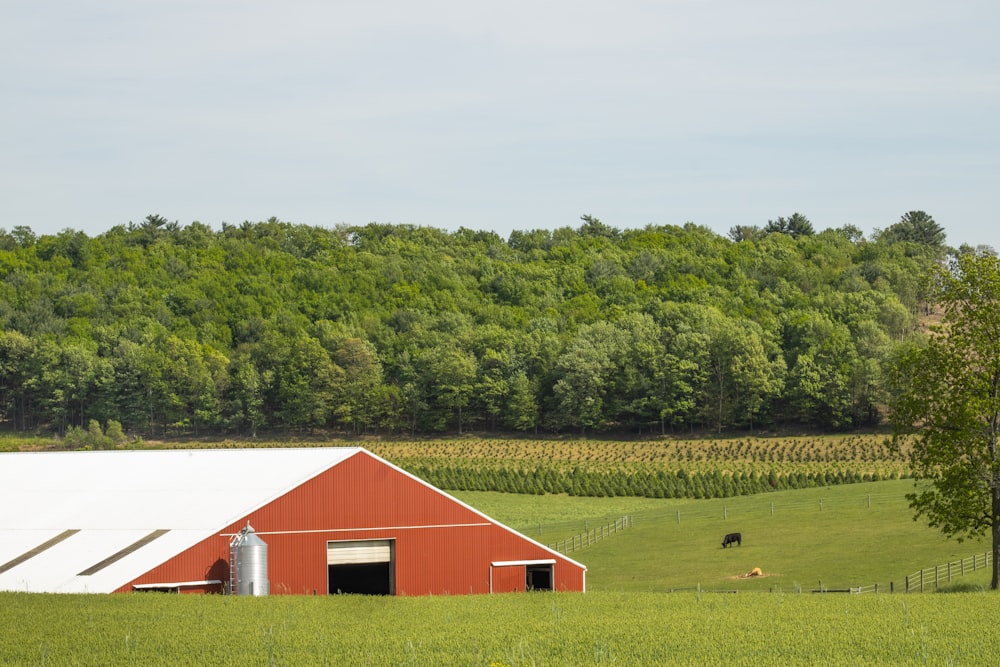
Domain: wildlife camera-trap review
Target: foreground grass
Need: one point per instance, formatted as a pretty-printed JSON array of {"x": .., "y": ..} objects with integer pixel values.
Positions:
[{"x": 518, "y": 629}]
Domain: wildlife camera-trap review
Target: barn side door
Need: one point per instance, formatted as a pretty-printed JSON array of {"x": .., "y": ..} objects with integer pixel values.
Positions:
[{"x": 522, "y": 575}]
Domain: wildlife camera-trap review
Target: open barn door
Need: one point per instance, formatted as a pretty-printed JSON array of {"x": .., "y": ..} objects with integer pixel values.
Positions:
[
  {"x": 365, "y": 567},
  {"x": 522, "y": 575}
]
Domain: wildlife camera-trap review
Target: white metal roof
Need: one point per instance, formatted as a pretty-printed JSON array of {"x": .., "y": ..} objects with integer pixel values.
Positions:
[{"x": 116, "y": 498}]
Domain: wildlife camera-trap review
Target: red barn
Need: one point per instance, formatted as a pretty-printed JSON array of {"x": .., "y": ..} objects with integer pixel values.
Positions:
[{"x": 333, "y": 519}]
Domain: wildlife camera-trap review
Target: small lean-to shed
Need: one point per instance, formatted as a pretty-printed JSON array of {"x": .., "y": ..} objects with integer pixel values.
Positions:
[{"x": 334, "y": 519}]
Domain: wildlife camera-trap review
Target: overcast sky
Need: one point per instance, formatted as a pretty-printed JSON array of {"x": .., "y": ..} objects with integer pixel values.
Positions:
[{"x": 501, "y": 115}]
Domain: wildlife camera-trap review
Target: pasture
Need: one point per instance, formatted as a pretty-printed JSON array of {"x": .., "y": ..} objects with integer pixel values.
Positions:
[{"x": 831, "y": 537}]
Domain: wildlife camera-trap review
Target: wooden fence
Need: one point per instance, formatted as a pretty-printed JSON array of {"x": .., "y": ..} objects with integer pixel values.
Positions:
[
  {"x": 933, "y": 576},
  {"x": 928, "y": 578},
  {"x": 592, "y": 536}
]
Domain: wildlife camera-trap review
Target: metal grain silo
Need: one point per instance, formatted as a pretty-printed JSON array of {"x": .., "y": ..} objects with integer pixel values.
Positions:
[{"x": 248, "y": 564}]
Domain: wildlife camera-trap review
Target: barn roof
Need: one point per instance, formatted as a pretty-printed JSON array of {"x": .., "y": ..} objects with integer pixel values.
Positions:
[{"x": 128, "y": 511}]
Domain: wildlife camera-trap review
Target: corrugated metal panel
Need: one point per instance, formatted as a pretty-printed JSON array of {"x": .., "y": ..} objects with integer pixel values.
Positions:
[{"x": 509, "y": 579}]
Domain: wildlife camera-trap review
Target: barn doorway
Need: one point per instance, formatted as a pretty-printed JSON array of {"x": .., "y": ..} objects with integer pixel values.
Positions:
[
  {"x": 362, "y": 567},
  {"x": 508, "y": 576},
  {"x": 538, "y": 578}
]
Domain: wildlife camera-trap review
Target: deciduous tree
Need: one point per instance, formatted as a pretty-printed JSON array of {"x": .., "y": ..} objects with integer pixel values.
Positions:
[{"x": 947, "y": 406}]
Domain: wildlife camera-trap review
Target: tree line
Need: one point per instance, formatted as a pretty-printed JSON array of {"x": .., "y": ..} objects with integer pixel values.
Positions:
[{"x": 162, "y": 328}]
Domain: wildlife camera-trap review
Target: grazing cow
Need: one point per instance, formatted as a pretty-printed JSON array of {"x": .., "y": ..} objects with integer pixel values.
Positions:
[{"x": 732, "y": 538}]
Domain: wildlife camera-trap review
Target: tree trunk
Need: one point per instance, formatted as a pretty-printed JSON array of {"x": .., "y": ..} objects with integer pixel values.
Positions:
[{"x": 995, "y": 529}]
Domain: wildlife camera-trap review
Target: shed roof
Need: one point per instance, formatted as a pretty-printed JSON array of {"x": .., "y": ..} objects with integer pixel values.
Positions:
[{"x": 91, "y": 521}]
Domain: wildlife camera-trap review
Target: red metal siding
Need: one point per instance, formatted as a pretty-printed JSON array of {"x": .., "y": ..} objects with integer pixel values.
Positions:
[
  {"x": 441, "y": 546},
  {"x": 508, "y": 579}
]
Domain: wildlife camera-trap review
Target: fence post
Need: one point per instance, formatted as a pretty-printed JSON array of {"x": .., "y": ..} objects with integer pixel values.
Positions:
[{"x": 907, "y": 586}]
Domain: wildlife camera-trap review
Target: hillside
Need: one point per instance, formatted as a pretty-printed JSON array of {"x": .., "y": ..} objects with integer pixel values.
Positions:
[{"x": 158, "y": 328}]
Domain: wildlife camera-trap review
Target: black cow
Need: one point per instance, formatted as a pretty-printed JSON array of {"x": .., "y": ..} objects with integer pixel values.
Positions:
[{"x": 732, "y": 538}]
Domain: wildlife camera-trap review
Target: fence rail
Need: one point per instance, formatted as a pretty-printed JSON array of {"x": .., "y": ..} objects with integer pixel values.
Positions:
[
  {"x": 933, "y": 576},
  {"x": 592, "y": 536}
]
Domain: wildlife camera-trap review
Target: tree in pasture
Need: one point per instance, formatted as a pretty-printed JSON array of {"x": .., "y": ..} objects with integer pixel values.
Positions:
[{"x": 947, "y": 404}]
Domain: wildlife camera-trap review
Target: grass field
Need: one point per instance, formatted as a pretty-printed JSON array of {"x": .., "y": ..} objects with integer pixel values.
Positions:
[{"x": 511, "y": 630}]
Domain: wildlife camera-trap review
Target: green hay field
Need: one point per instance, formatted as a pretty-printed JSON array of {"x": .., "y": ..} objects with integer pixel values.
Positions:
[{"x": 515, "y": 630}]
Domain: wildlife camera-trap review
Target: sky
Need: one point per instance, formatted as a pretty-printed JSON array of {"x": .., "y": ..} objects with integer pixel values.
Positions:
[{"x": 501, "y": 116}]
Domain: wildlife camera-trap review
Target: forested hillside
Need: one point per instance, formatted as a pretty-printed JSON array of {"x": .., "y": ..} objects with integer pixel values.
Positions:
[{"x": 170, "y": 328}]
